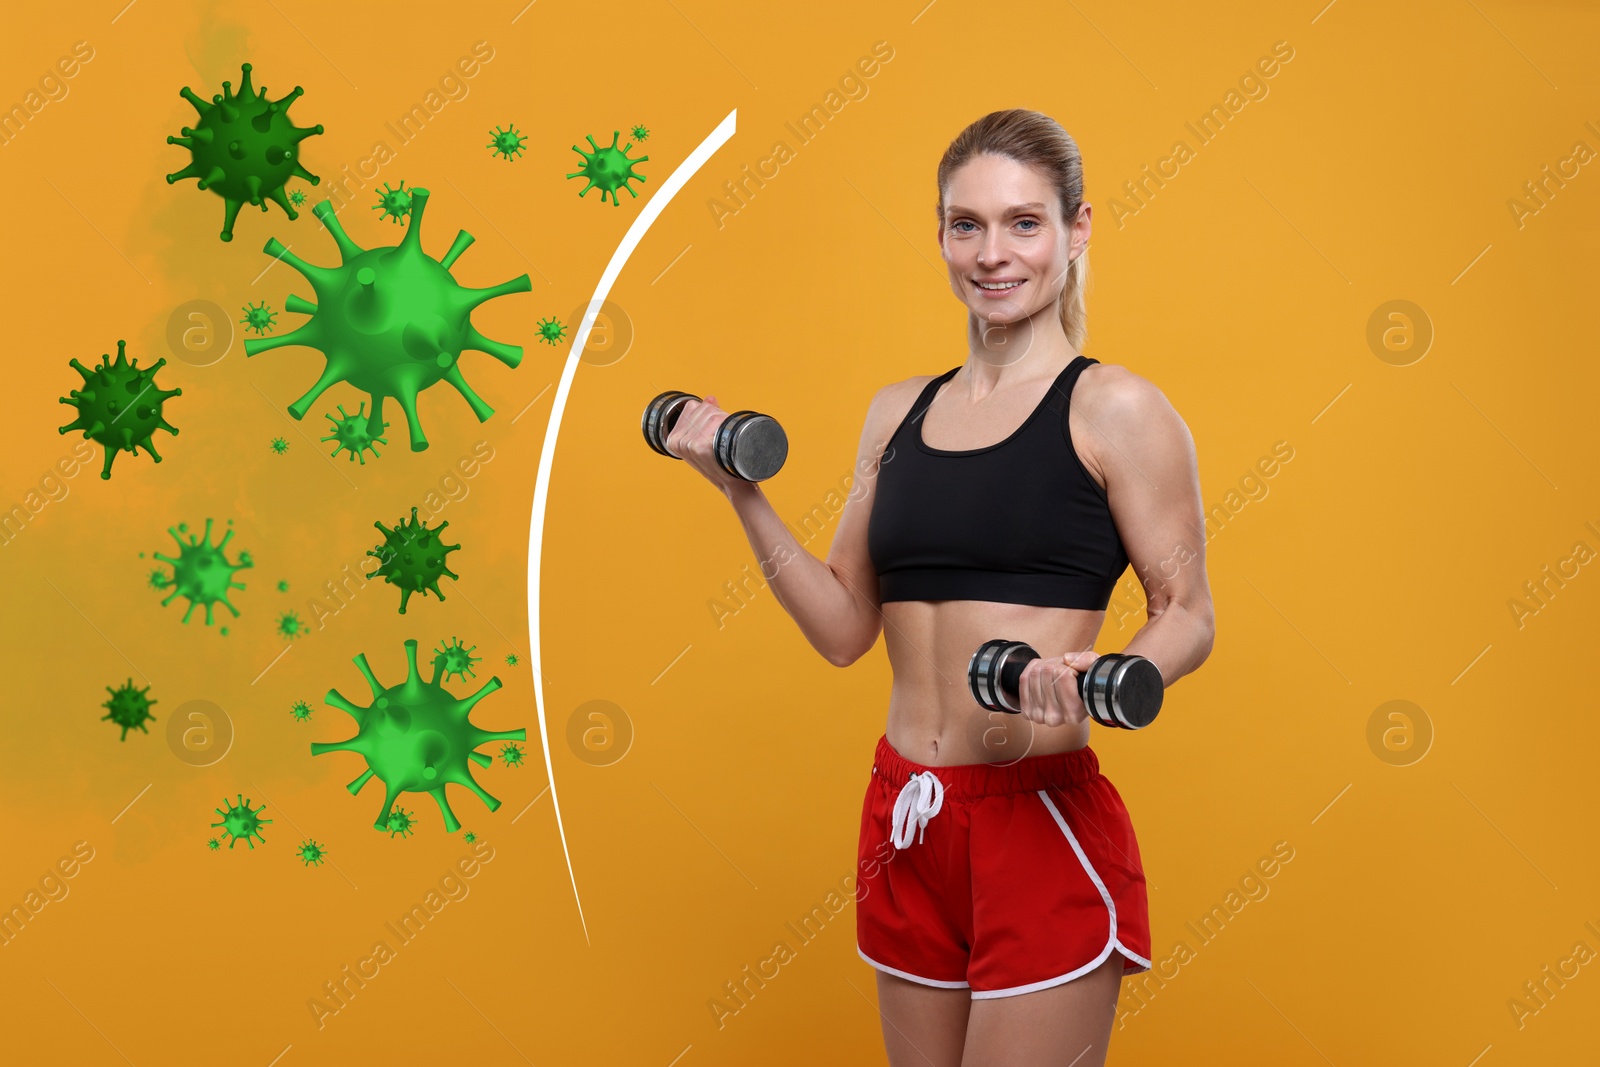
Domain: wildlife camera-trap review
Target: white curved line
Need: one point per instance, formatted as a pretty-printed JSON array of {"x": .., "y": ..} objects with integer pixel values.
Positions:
[{"x": 541, "y": 486}]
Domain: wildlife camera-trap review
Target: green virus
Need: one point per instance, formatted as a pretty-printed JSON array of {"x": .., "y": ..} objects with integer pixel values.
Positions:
[
  {"x": 283, "y": 585},
  {"x": 412, "y": 557},
  {"x": 158, "y": 578},
  {"x": 279, "y": 445},
  {"x": 469, "y": 837},
  {"x": 640, "y": 133},
  {"x": 129, "y": 708},
  {"x": 456, "y": 660},
  {"x": 506, "y": 143},
  {"x": 213, "y": 844},
  {"x": 239, "y": 821},
  {"x": 201, "y": 573},
  {"x": 290, "y": 626},
  {"x": 311, "y": 853},
  {"x": 400, "y": 822},
  {"x": 551, "y": 331},
  {"x": 512, "y": 754},
  {"x": 609, "y": 168},
  {"x": 260, "y": 319},
  {"x": 513, "y": 659},
  {"x": 298, "y": 197},
  {"x": 301, "y": 711},
  {"x": 244, "y": 148},
  {"x": 416, "y": 736},
  {"x": 391, "y": 320},
  {"x": 354, "y": 434},
  {"x": 394, "y": 203},
  {"x": 120, "y": 406}
]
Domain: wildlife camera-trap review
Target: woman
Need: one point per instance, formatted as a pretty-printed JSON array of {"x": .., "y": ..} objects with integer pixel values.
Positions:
[{"x": 1001, "y": 897}]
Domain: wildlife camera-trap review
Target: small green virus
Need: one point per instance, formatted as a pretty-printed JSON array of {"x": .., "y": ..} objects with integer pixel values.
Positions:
[
  {"x": 354, "y": 433},
  {"x": 412, "y": 557},
  {"x": 513, "y": 659},
  {"x": 506, "y": 143},
  {"x": 391, "y": 321},
  {"x": 201, "y": 572},
  {"x": 301, "y": 711},
  {"x": 311, "y": 853},
  {"x": 640, "y": 133},
  {"x": 456, "y": 660},
  {"x": 551, "y": 331},
  {"x": 279, "y": 445},
  {"x": 120, "y": 405},
  {"x": 239, "y": 821},
  {"x": 609, "y": 168},
  {"x": 244, "y": 148},
  {"x": 400, "y": 822},
  {"x": 213, "y": 844},
  {"x": 290, "y": 626},
  {"x": 416, "y": 736},
  {"x": 260, "y": 319},
  {"x": 129, "y": 707},
  {"x": 394, "y": 203},
  {"x": 298, "y": 197},
  {"x": 512, "y": 754},
  {"x": 469, "y": 837},
  {"x": 283, "y": 585},
  {"x": 158, "y": 578}
]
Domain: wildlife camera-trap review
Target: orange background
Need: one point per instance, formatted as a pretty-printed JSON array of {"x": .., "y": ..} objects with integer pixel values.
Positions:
[{"x": 1380, "y": 563}]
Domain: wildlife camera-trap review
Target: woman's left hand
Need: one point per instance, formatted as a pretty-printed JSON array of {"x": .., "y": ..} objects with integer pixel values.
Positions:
[{"x": 1048, "y": 689}]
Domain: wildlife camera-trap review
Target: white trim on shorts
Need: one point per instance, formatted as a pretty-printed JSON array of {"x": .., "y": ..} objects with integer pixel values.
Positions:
[
  {"x": 908, "y": 975},
  {"x": 1111, "y": 910}
]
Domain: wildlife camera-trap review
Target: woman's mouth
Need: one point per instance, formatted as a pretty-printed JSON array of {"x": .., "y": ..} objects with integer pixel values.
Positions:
[{"x": 1000, "y": 289}]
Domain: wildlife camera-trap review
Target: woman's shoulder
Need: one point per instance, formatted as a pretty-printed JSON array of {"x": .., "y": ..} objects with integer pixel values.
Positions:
[{"x": 1112, "y": 390}]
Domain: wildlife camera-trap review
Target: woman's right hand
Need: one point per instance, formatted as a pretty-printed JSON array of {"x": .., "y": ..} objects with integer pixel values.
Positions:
[{"x": 693, "y": 438}]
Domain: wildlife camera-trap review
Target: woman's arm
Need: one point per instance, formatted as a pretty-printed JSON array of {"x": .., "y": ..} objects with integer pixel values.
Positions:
[
  {"x": 834, "y": 602},
  {"x": 1147, "y": 457}
]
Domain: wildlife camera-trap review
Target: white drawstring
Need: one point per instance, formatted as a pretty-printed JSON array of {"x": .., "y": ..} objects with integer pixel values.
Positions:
[{"x": 920, "y": 800}]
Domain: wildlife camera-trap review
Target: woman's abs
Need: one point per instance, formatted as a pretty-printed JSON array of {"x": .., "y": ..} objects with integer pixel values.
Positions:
[{"x": 933, "y": 718}]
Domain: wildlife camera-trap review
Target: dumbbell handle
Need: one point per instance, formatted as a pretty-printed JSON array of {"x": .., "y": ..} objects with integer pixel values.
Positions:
[
  {"x": 748, "y": 445},
  {"x": 1118, "y": 689}
]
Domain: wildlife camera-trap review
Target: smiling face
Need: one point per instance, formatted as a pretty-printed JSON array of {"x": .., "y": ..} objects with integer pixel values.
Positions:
[{"x": 1005, "y": 242}]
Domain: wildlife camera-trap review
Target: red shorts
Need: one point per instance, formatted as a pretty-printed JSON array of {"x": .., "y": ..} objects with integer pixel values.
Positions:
[{"x": 999, "y": 878}]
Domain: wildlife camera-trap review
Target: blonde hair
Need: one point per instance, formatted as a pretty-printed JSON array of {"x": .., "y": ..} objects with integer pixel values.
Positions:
[{"x": 1036, "y": 140}]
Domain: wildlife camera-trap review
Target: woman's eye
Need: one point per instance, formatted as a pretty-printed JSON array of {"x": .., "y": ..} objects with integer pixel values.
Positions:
[
  {"x": 1031, "y": 222},
  {"x": 957, "y": 226}
]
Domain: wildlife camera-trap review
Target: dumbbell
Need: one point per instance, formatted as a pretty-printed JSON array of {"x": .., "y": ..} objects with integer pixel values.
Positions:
[
  {"x": 748, "y": 444},
  {"x": 1118, "y": 689}
]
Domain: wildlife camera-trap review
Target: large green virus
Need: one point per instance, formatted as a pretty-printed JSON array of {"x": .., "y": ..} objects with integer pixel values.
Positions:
[
  {"x": 201, "y": 572},
  {"x": 391, "y": 320},
  {"x": 239, "y": 821},
  {"x": 311, "y": 853},
  {"x": 354, "y": 434},
  {"x": 609, "y": 168},
  {"x": 120, "y": 406},
  {"x": 412, "y": 557},
  {"x": 456, "y": 659},
  {"x": 129, "y": 708},
  {"x": 244, "y": 148},
  {"x": 416, "y": 737},
  {"x": 506, "y": 143}
]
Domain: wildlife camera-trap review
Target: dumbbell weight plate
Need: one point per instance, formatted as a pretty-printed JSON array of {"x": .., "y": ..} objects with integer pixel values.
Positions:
[
  {"x": 751, "y": 445},
  {"x": 660, "y": 415}
]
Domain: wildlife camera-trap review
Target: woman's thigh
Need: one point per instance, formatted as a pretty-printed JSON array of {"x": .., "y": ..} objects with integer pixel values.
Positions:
[
  {"x": 923, "y": 1026},
  {"x": 1067, "y": 1024}
]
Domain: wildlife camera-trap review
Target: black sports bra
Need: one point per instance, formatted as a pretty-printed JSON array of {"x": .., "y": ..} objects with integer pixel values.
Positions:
[{"x": 1018, "y": 522}]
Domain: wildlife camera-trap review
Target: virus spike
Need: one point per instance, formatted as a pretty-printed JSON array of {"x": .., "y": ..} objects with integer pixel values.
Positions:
[
  {"x": 213, "y": 176},
  {"x": 480, "y": 759},
  {"x": 348, "y": 249},
  {"x": 277, "y": 197},
  {"x": 199, "y": 105},
  {"x": 412, "y": 241},
  {"x": 355, "y": 786},
  {"x": 451, "y": 824},
  {"x": 476, "y": 402},
  {"x": 473, "y": 297},
  {"x": 510, "y": 355},
  {"x": 330, "y": 374},
  {"x": 298, "y": 306},
  {"x": 317, "y": 276},
  {"x": 462, "y": 243}
]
